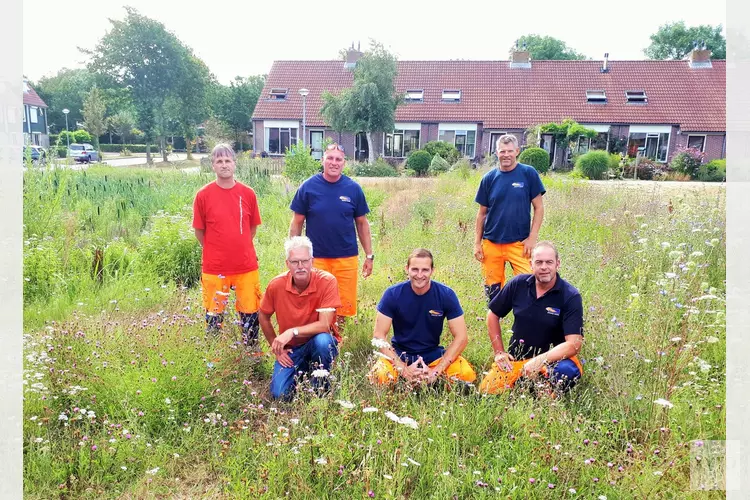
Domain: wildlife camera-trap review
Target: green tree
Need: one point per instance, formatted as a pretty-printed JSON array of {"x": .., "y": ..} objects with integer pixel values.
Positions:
[
  {"x": 548, "y": 48},
  {"x": 121, "y": 123},
  {"x": 65, "y": 90},
  {"x": 140, "y": 55},
  {"x": 189, "y": 106},
  {"x": 675, "y": 41},
  {"x": 234, "y": 104},
  {"x": 565, "y": 133},
  {"x": 369, "y": 105},
  {"x": 94, "y": 115}
]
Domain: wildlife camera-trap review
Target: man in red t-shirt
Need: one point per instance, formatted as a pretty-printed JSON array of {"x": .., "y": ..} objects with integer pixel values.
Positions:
[
  {"x": 225, "y": 219},
  {"x": 305, "y": 301}
]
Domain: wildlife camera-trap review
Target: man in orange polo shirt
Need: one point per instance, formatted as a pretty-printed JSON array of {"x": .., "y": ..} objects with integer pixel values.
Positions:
[
  {"x": 225, "y": 219},
  {"x": 502, "y": 225},
  {"x": 305, "y": 301},
  {"x": 335, "y": 210}
]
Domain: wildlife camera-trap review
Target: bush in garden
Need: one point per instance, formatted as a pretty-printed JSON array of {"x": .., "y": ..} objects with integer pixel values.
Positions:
[
  {"x": 438, "y": 165},
  {"x": 593, "y": 164},
  {"x": 419, "y": 161},
  {"x": 536, "y": 157},
  {"x": 687, "y": 161},
  {"x": 299, "y": 163},
  {"x": 170, "y": 249},
  {"x": 646, "y": 169},
  {"x": 446, "y": 150},
  {"x": 713, "y": 171},
  {"x": 379, "y": 168}
]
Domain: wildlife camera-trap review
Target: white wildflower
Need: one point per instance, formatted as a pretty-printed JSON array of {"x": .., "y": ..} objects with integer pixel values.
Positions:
[
  {"x": 345, "y": 404},
  {"x": 663, "y": 402},
  {"x": 320, "y": 372},
  {"x": 379, "y": 343},
  {"x": 153, "y": 471},
  {"x": 413, "y": 462},
  {"x": 369, "y": 409},
  {"x": 321, "y": 461}
]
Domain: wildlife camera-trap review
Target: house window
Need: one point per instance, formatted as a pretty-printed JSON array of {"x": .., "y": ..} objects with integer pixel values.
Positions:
[
  {"x": 400, "y": 143},
  {"x": 589, "y": 143},
  {"x": 34, "y": 117},
  {"x": 697, "y": 141},
  {"x": 414, "y": 95},
  {"x": 451, "y": 96},
  {"x": 278, "y": 94},
  {"x": 494, "y": 136},
  {"x": 464, "y": 140},
  {"x": 596, "y": 96},
  {"x": 636, "y": 96},
  {"x": 278, "y": 140},
  {"x": 656, "y": 145},
  {"x": 37, "y": 138}
]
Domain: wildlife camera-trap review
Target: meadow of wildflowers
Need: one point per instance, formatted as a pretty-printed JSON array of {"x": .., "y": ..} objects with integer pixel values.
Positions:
[{"x": 124, "y": 396}]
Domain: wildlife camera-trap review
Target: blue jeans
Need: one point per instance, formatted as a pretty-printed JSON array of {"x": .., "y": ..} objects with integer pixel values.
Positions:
[{"x": 318, "y": 352}]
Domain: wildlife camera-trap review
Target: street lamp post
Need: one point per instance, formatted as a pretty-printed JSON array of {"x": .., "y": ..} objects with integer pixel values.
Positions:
[
  {"x": 67, "y": 133},
  {"x": 303, "y": 93}
]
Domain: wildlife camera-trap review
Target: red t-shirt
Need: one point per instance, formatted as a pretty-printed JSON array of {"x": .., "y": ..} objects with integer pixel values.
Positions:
[
  {"x": 294, "y": 309},
  {"x": 226, "y": 216}
]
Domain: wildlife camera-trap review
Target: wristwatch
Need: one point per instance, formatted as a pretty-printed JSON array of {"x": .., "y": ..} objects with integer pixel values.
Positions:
[
  {"x": 295, "y": 332},
  {"x": 370, "y": 257}
]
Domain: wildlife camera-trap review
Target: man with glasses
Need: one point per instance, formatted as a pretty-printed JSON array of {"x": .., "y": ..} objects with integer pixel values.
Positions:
[
  {"x": 335, "y": 210},
  {"x": 502, "y": 226},
  {"x": 304, "y": 300},
  {"x": 225, "y": 219}
]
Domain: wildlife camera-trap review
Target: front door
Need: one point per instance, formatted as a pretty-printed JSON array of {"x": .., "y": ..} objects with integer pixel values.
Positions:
[
  {"x": 547, "y": 143},
  {"x": 362, "y": 152},
  {"x": 316, "y": 144}
]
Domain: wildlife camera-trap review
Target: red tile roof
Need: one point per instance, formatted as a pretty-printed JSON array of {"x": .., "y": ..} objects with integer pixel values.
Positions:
[
  {"x": 503, "y": 98},
  {"x": 32, "y": 98}
]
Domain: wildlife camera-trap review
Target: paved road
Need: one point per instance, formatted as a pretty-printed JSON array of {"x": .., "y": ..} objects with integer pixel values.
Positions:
[{"x": 141, "y": 160}]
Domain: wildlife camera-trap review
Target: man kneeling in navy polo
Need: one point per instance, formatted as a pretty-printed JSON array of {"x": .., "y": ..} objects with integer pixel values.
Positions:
[{"x": 548, "y": 311}]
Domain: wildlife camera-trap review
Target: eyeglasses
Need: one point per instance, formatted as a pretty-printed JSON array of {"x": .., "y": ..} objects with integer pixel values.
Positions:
[
  {"x": 336, "y": 146},
  {"x": 301, "y": 262}
]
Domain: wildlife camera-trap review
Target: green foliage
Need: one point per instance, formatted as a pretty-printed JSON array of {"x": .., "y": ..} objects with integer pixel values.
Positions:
[
  {"x": 122, "y": 123},
  {"x": 463, "y": 168},
  {"x": 593, "y": 164},
  {"x": 234, "y": 104},
  {"x": 536, "y": 157},
  {"x": 675, "y": 41},
  {"x": 299, "y": 163},
  {"x": 547, "y": 48},
  {"x": 94, "y": 114},
  {"x": 438, "y": 165},
  {"x": 713, "y": 171},
  {"x": 687, "y": 161},
  {"x": 79, "y": 136},
  {"x": 116, "y": 148},
  {"x": 646, "y": 169},
  {"x": 66, "y": 89},
  {"x": 446, "y": 150},
  {"x": 565, "y": 133},
  {"x": 419, "y": 161},
  {"x": 379, "y": 168},
  {"x": 171, "y": 250}
]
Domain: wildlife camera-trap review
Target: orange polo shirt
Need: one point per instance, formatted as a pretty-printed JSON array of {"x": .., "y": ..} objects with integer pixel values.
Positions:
[{"x": 294, "y": 309}]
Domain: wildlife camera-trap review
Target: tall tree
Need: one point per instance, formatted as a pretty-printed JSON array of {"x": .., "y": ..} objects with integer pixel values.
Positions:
[
  {"x": 94, "y": 115},
  {"x": 369, "y": 105},
  {"x": 234, "y": 104},
  {"x": 189, "y": 105},
  {"x": 143, "y": 57},
  {"x": 65, "y": 90},
  {"x": 121, "y": 123},
  {"x": 675, "y": 41},
  {"x": 548, "y": 48}
]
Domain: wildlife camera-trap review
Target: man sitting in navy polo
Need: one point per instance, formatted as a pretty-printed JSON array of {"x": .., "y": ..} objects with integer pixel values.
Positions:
[{"x": 547, "y": 330}]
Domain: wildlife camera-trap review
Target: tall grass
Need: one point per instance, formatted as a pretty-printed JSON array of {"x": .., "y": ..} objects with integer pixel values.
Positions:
[{"x": 176, "y": 414}]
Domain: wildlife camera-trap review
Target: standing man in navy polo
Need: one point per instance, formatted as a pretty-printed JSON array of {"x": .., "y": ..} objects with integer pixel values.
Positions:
[
  {"x": 502, "y": 233},
  {"x": 335, "y": 210},
  {"x": 547, "y": 327}
]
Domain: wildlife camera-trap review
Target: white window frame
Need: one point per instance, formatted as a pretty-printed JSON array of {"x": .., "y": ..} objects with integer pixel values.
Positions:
[
  {"x": 278, "y": 94},
  {"x": 492, "y": 149},
  {"x": 460, "y": 129},
  {"x": 414, "y": 96},
  {"x": 288, "y": 127},
  {"x": 636, "y": 97},
  {"x": 654, "y": 135},
  {"x": 33, "y": 116},
  {"x": 596, "y": 96},
  {"x": 451, "y": 95},
  {"x": 705, "y": 138},
  {"x": 399, "y": 129}
]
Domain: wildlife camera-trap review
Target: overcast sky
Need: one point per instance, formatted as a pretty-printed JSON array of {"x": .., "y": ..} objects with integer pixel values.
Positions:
[{"x": 244, "y": 37}]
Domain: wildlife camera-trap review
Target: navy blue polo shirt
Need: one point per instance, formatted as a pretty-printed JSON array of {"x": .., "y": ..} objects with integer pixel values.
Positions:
[
  {"x": 539, "y": 323},
  {"x": 330, "y": 209},
  {"x": 507, "y": 196},
  {"x": 418, "y": 319}
]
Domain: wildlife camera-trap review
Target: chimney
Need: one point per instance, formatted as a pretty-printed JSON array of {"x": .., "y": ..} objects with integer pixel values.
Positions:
[
  {"x": 699, "y": 57},
  {"x": 605, "y": 68},
  {"x": 352, "y": 56},
  {"x": 520, "y": 57}
]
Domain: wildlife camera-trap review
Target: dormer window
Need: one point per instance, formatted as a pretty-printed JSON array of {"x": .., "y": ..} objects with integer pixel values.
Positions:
[
  {"x": 278, "y": 94},
  {"x": 414, "y": 95},
  {"x": 451, "y": 96},
  {"x": 636, "y": 96},
  {"x": 596, "y": 96}
]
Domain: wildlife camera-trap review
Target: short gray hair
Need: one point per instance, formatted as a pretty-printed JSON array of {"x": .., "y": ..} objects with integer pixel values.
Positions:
[
  {"x": 223, "y": 149},
  {"x": 298, "y": 242},
  {"x": 545, "y": 244},
  {"x": 506, "y": 139}
]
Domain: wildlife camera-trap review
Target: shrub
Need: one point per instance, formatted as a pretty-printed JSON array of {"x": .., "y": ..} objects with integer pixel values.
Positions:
[
  {"x": 126, "y": 152},
  {"x": 536, "y": 157},
  {"x": 593, "y": 164},
  {"x": 646, "y": 169},
  {"x": 299, "y": 163},
  {"x": 419, "y": 161},
  {"x": 687, "y": 161},
  {"x": 438, "y": 165},
  {"x": 133, "y": 148},
  {"x": 379, "y": 168},
  {"x": 408, "y": 172},
  {"x": 463, "y": 167},
  {"x": 171, "y": 250},
  {"x": 446, "y": 150},
  {"x": 713, "y": 171},
  {"x": 76, "y": 136},
  {"x": 62, "y": 151}
]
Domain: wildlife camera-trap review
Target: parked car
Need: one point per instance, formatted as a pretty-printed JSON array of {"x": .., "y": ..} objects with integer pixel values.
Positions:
[
  {"x": 36, "y": 153},
  {"x": 83, "y": 153}
]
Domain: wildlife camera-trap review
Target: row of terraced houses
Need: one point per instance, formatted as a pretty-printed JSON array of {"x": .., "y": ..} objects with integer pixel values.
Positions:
[{"x": 656, "y": 105}]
